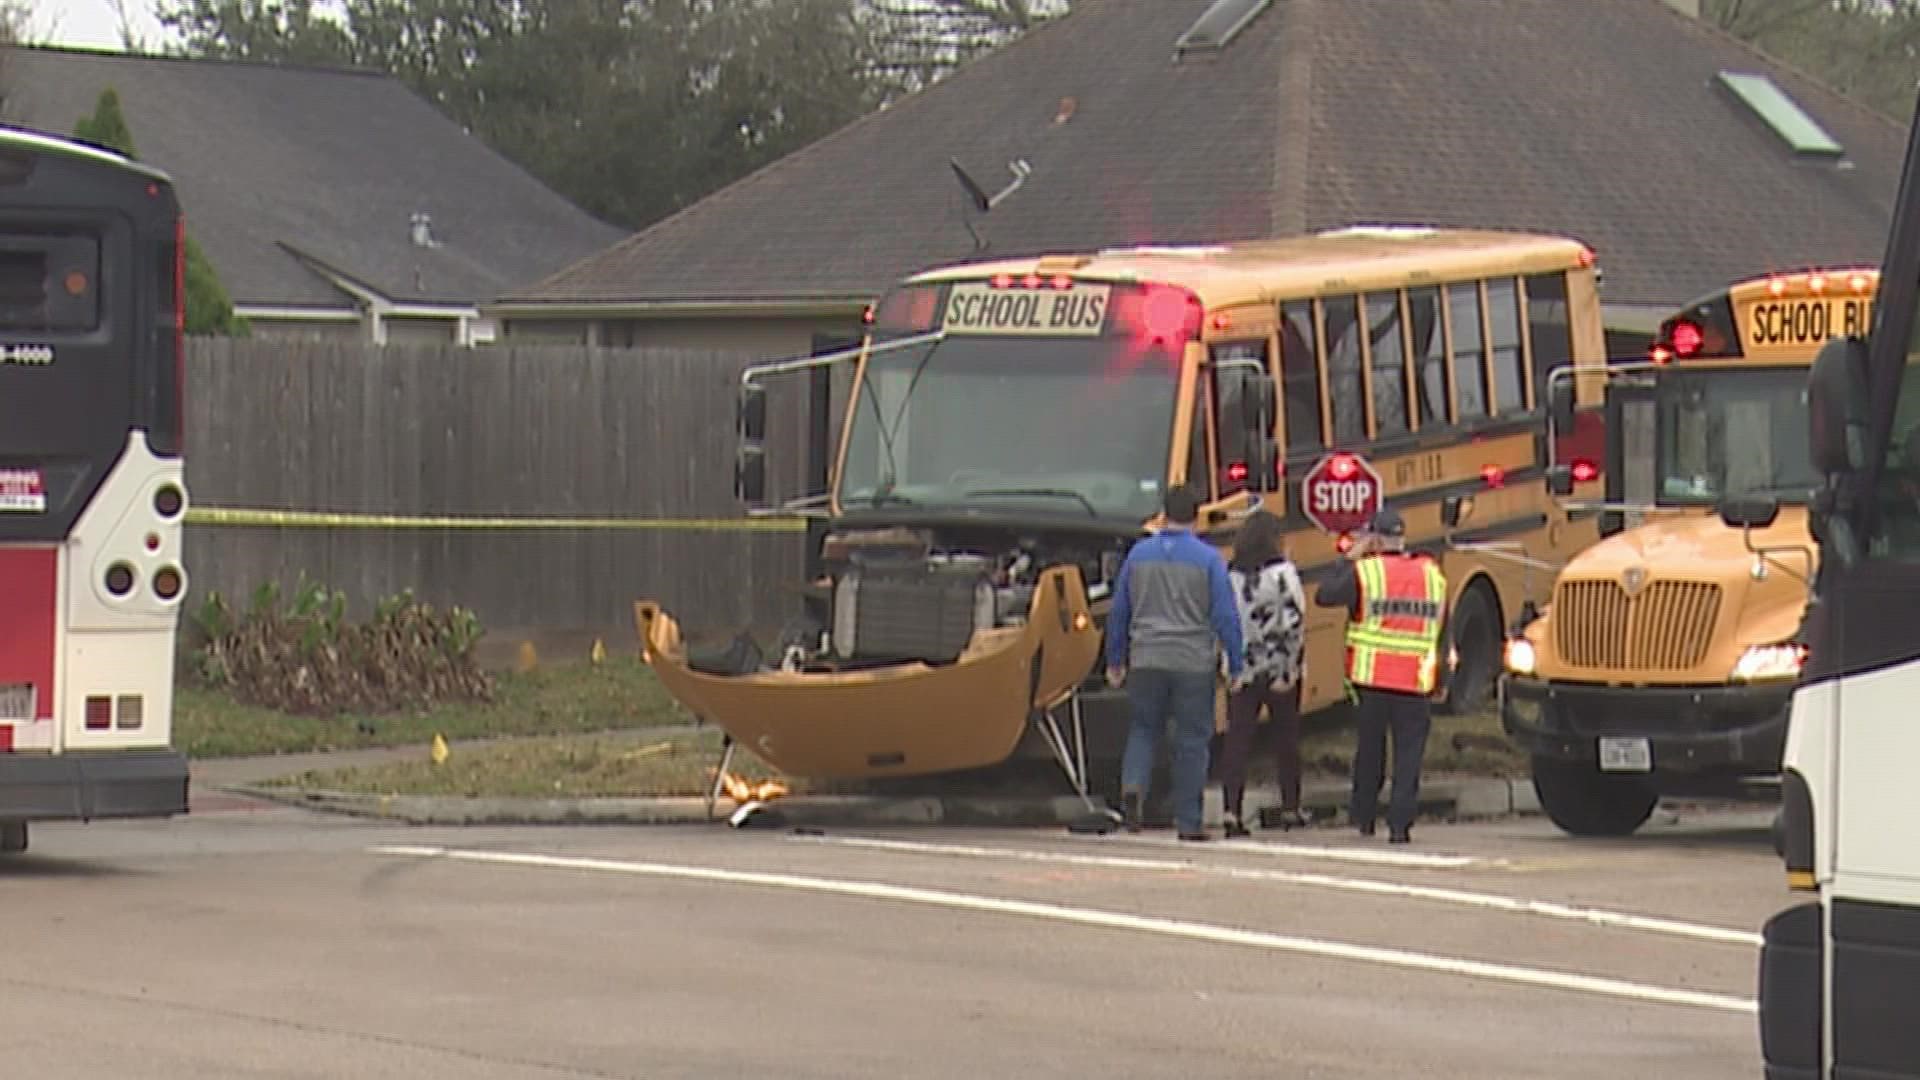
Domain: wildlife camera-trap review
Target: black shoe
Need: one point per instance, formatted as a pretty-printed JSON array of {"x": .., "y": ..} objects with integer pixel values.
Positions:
[
  {"x": 1365, "y": 829},
  {"x": 1294, "y": 819},
  {"x": 1200, "y": 837},
  {"x": 1400, "y": 836},
  {"x": 1234, "y": 828},
  {"x": 1130, "y": 811}
]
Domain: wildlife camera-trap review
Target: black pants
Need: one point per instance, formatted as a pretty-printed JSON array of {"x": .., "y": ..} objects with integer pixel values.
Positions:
[
  {"x": 1407, "y": 716},
  {"x": 1243, "y": 718}
]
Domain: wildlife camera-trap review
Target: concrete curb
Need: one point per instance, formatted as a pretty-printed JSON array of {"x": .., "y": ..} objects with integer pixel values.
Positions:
[{"x": 1440, "y": 798}]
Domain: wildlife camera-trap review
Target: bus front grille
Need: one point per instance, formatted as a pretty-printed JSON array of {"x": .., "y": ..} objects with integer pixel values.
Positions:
[{"x": 1666, "y": 627}]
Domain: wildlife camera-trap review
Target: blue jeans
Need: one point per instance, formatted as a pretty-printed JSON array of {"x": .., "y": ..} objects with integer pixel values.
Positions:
[{"x": 1185, "y": 697}]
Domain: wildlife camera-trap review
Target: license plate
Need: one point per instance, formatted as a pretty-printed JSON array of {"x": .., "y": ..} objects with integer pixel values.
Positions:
[
  {"x": 16, "y": 701},
  {"x": 1625, "y": 755}
]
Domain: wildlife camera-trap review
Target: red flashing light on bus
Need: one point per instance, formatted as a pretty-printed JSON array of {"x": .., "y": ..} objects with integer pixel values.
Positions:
[
  {"x": 1585, "y": 471},
  {"x": 1687, "y": 338},
  {"x": 1237, "y": 472},
  {"x": 1062, "y": 281},
  {"x": 1660, "y": 354},
  {"x": 1342, "y": 466},
  {"x": 1343, "y": 543},
  {"x": 1494, "y": 475}
]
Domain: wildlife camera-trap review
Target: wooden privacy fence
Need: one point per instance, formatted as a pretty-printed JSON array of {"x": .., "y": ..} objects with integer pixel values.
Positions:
[{"x": 372, "y": 434}]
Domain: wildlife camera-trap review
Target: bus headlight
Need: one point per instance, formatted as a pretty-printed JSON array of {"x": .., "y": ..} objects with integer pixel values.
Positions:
[
  {"x": 1780, "y": 661},
  {"x": 1519, "y": 657}
]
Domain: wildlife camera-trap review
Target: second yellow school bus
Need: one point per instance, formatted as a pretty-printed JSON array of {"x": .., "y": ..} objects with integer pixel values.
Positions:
[
  {"x": 1666, "y": 662},
  {"x": 1014, "y": 424}
]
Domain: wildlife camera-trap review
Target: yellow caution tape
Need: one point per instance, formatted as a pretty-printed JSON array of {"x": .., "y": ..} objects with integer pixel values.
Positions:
[{"x": 312, "y": 519}]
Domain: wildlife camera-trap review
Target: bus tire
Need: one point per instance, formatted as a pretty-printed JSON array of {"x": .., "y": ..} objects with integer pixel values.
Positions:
[
  {"x": 13, "y": 837},
  {"x": 1585, "y": 802},
  {"x": 1475, "y": 630}
]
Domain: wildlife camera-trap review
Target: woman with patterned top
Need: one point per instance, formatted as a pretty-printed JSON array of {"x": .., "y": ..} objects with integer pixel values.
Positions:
[{"x": 1272, "y": 606}]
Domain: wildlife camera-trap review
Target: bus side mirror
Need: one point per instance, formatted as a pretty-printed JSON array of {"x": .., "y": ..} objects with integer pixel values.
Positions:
[
  {"x": 750, "y": 475},
  {"x": 1560, "y": 480},
  {"x": 1837, "y": 406},
  {"x": 751, "y": 413},
  {"x": 1560, "y": 405},
  {"x": 1749, "y": 511}
]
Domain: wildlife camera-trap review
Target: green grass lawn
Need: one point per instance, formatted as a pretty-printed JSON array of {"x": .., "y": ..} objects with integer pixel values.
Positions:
[{"x": 555, "y": 699}]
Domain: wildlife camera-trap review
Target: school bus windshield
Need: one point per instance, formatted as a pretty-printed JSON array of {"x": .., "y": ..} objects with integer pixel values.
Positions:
[
  {"x": 1729, "y": 432},
  {"x": 1048, "y": 425}
]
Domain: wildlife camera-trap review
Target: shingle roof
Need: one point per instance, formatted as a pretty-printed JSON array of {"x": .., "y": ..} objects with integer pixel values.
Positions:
[
  {"x": 1595, "y": 118},
  {"x": 330, "y": 163}
]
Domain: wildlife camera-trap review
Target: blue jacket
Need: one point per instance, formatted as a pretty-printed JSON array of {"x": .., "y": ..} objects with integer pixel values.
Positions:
[{"x": 1173, "y": 600}]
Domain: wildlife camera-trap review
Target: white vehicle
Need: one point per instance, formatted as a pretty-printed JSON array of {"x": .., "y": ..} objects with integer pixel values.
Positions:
[{"x": 1839, "y": 974}]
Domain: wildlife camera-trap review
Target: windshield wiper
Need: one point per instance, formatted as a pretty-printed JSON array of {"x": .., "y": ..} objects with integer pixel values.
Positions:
[{"x": 1051, "y": 493}]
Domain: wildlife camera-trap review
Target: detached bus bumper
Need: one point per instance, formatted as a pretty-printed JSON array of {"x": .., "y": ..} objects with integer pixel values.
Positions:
[
  {"x": 1712, "y": 730},
  {"x": 84, "y": 786}
]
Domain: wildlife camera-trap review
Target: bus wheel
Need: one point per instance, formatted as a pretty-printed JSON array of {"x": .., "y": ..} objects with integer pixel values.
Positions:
[
  {"x": 1585, "y": 802},
  {"x": 13, "y": 837},
  {"x": 1475, "y": 628}
]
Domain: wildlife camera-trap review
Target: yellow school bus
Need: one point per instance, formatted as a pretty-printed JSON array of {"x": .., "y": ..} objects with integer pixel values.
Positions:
[
  {"x": 1665, "y": 663},
  {"x": 1012, "y": 429}
]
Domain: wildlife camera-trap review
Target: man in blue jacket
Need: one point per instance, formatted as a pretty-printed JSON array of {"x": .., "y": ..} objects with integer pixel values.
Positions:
[{"x": 1171, "y": 604}]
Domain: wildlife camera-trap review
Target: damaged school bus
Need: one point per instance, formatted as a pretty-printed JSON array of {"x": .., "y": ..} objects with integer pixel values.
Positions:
[{"x": 1013, "y": 426}]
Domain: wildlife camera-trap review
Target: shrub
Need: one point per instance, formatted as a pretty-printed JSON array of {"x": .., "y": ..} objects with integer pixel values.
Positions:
[{"x": 309, "y": 659}]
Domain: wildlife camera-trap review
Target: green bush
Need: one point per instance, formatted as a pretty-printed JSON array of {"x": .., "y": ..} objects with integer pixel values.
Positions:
[{"x": 307, "y": 658}]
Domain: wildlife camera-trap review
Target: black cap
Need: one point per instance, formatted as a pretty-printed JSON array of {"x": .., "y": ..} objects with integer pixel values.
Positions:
[{"x": 1387, "y": 523}]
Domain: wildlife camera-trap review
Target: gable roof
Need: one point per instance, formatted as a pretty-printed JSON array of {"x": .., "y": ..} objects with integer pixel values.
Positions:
[
  {"x": 275, "y": 162},
  {"x": 1601, "y": 121}
]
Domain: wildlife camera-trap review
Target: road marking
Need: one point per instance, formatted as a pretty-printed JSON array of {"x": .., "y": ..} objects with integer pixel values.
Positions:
[
  {"x": 1490, "y": 901},
  {"x": 1318, "y": 851},
  {"x": 1197, "y": 931}
]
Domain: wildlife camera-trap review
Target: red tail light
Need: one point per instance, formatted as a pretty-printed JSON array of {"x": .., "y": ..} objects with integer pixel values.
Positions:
[
  {"x": 1584, "y": 471},
  {"x": 1237, "y": 472}
]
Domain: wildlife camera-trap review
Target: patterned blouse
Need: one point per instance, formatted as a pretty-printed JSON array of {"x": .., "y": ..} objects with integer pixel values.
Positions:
[{"x": 1272, "y": 622}]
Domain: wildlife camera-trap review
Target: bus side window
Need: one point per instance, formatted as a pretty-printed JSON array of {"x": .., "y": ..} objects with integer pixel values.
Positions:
[
  {"x": 1300, "y": 377},
  {"x": 1424, "y": 332},
  {"x": 1347, "y": 390},
  {"x": 1548, "y": 329},
  {"x": 1389, "y": 364},
  {"x": 1232, "y": 364},
  {"x": 1509, "y": 377},
  {"x": 1200, "y": 478},
  {"x": 1469, "y": 370}
]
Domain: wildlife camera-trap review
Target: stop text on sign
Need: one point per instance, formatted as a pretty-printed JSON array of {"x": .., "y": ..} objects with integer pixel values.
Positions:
[{"x": 1341, "y": 493}]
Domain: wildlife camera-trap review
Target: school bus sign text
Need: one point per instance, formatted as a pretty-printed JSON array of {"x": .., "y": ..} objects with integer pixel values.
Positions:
[
  {"x": 978, "y": 308},
  {"x": 1803, "y": 323}
]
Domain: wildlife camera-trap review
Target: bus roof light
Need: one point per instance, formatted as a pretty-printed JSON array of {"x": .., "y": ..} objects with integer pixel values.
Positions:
[
  {"x": 1817, "y": 282},
  {"x": 1164, "y": 315},
  {"x": 1033, "y": 281},
  {"x": 1062, "y": 281},
  {"x": 1687, "y": 338},
  {"x": 1778, "y": 286},
  {"x": 1001, "y": 281},
  {"x": 1859, "y": 282}
]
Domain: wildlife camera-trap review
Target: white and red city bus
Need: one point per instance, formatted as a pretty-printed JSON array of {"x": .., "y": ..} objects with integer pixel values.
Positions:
[{"x": 92, "y": 490}]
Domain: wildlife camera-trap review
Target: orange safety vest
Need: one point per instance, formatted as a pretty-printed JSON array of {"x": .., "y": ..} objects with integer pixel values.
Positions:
[{"x": 1395, "y": 643}]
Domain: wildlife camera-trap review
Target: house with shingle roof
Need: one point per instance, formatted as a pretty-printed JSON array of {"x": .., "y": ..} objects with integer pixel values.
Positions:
[
  {"x": 332, "y": 203},
  {"x": 1624, "y": 123}
]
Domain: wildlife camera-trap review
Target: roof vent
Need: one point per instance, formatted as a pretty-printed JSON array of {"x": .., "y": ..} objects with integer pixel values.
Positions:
[
  {"x": 1787, "y": 119},
  {"x": 422, "y": 223},
  {"x": 1218, "y": 25}
]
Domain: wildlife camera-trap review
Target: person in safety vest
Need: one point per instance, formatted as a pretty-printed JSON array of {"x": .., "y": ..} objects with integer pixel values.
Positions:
[{"x": 1396, "y": 632}]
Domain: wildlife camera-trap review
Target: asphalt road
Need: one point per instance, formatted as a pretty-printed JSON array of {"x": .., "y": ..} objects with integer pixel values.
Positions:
[{"x": 248, "y": 941}]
